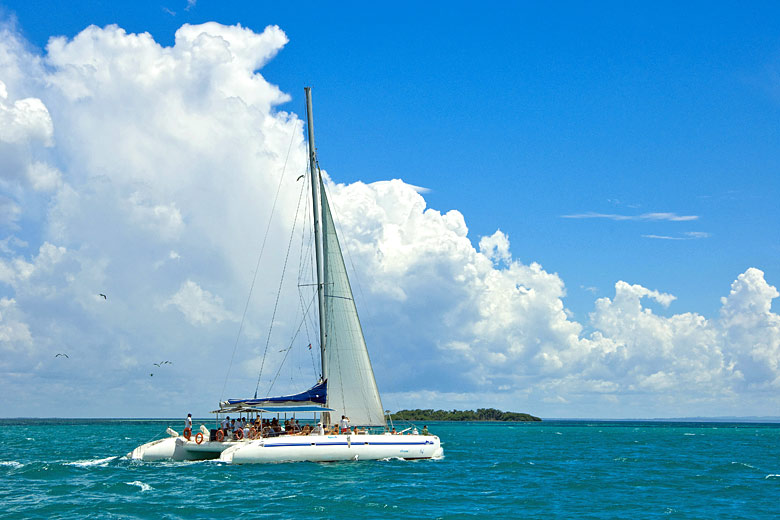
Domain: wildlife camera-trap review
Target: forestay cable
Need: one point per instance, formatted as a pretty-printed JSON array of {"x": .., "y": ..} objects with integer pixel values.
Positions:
[{"x": 257, "y": 266}]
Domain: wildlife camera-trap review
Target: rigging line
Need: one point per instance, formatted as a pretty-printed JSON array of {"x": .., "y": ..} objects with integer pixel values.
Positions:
[
  {"x": 303, "y": 262},
  {"x": 279, "y": 292},
  {"x": 305, "y": 256},
  {"x": 308, "y": 336},
  {"x": 288, "y": 349},
  {"x": 257, "y": 266},
  {"x": 341, "y": 297}
]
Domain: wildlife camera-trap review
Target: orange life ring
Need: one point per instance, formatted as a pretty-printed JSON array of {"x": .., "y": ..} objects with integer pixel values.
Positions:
[
  {"x": 238, "y": 434},
  {"x": 252, "y": 433},
  {"x": 220, "y": 436},
  {"x": 198, "y": 437},
  {"x": 187, "y": 433}
]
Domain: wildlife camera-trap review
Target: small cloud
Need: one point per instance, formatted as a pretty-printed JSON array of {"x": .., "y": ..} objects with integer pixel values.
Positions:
[
  {"x": 688, "y": 235},
  {"x": 672, "y": 217},
  {"x": 662, "y": 237},
  {"x": 419, "y": 189},
  {"x": 590, "y": 289},
  {"x": 496, "y": 247},
  {"x": 11, "y": 243},
  {"x": 169, "y": 11},
  {"x": 190, "y": 4},
  {"x": 10, "y": 213},
  {"x": 44, "y": 177},
  {"x": 198, "y": 305},
  {"x": 173, "y": 255}
]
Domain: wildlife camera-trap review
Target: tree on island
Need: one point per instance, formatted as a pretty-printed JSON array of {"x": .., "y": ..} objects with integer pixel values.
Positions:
[{"x": 482, "y": 414}]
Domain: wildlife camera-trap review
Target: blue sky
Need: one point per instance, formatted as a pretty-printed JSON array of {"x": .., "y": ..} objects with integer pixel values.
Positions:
[{"x": 608, "y": 143}]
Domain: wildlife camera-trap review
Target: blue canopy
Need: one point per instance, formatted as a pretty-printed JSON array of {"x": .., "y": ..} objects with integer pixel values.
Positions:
[
  {"x": 315, "y": 394},
  {"x": 310, "y": 408}
]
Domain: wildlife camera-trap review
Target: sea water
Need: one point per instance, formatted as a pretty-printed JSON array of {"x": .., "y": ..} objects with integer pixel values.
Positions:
[{"x": 553, "y": 469}]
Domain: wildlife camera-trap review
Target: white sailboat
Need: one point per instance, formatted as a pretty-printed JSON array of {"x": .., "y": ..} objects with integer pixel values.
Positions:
[{"x": 347, "y": 387}]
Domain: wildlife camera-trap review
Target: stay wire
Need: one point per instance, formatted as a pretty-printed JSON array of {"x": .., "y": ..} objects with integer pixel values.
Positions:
[
  {"x": 257, "y": 266},
  {"x": 279, "y": 291},
  {"x": 289, "y": 348}
]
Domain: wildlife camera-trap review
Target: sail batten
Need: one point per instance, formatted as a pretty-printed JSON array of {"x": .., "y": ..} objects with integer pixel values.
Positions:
[{"x": 352, "y": 389}]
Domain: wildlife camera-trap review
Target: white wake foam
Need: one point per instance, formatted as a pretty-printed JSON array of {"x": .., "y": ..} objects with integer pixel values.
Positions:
[
  {"x": 11, "y": 463},
  {"x": 88, "y": 463},
  {"x": 143, "y": 485}
]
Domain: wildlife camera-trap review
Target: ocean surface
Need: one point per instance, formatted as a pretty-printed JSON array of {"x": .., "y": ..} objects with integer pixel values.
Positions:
[{"x": 553, "y": 469}]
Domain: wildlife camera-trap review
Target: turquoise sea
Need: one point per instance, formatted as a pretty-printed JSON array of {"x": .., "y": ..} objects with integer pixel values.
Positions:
[{"x": 553, "y": 469}]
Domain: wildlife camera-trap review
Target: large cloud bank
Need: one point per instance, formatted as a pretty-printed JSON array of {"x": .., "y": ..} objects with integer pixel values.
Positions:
[{"x": 147, "y": 173}]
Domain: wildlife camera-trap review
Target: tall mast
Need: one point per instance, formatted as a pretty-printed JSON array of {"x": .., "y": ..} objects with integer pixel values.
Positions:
[{"x": 315, "y": 186}]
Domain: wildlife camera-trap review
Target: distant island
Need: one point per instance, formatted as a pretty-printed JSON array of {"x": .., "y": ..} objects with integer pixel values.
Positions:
[{"x": 482, "y": 414}]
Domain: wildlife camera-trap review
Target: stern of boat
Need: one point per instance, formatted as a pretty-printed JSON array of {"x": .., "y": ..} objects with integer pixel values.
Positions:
[{"x": 156, "y": 450}]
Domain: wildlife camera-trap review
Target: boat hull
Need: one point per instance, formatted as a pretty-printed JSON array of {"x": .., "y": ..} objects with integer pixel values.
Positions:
[
  {"x": 179, "y": 448},
  {"x": 330, "y": 448}
]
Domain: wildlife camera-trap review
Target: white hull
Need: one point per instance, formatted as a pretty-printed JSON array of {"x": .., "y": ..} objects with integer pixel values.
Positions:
[
  {"x": 328, "y": 448},
  {"x": 179, "y": 448},
  {"x": 288, "y": 448}
]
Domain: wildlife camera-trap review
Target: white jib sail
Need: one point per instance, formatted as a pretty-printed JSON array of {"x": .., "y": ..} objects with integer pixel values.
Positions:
[{"x": 352, "y": 388}]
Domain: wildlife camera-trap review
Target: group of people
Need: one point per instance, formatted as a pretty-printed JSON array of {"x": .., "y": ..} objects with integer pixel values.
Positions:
[{"x": 243, "y": 428}]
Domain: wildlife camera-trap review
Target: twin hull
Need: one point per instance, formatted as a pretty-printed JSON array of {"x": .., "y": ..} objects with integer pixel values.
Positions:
[{"x": 313, "y": 448}]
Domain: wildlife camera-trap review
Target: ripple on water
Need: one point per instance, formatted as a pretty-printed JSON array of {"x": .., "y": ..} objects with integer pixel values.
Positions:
[
  {"x": 87, "y": 463},
  {"x": 143, "y": 485}
]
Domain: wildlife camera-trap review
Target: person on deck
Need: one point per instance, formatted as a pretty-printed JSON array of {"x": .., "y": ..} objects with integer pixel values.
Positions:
[
  {"x": 344, "y": 424},
  {"x": 425, "y": 430},
  {"x": 188, "y": 422}
]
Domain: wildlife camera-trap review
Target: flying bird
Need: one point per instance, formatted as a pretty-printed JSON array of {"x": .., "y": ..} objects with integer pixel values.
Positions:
[
  {"x": 161, "y": 363},
  {"x": 103, "y": 295},
  {"x": 150, "y": 375},
  {"x": 63, "y": 355}
]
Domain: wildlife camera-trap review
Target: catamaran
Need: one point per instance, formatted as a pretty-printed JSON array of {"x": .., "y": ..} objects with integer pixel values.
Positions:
[{"x": 347, "y": 387}]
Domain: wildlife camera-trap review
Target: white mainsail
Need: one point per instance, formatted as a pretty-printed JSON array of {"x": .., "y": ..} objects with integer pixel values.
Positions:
[{"x": 352, "y": 388}]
